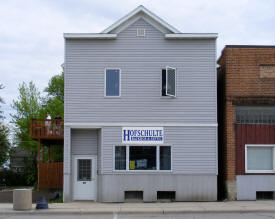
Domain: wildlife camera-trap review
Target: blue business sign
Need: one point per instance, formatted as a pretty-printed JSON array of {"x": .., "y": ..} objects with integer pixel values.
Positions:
[{"x": 142, "y": 135}]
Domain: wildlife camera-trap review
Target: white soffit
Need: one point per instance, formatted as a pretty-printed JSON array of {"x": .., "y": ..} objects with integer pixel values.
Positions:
[
  {"x": 191, "y": 36},
  {"x": 139, "y": 10}
]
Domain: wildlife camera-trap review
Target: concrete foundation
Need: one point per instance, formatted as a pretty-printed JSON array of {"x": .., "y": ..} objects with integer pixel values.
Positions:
[{"x": 231, "y": 190}]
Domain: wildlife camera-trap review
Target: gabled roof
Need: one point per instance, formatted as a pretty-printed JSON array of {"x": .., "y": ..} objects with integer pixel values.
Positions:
[
  {"x": 169, "y": 31},
  {"x": 140, "y": 10}
]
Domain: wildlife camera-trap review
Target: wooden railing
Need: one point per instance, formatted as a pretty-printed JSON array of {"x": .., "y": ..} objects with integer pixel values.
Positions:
[{"x": 47, "y": 128}]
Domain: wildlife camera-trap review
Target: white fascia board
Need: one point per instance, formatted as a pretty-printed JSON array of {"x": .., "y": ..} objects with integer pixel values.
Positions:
[
  {"x": 140, "y": 8},
  {"x": 120, "y": 124},
  {"x": 89, "y": 36},
  {"x": 192, "y": 36}
]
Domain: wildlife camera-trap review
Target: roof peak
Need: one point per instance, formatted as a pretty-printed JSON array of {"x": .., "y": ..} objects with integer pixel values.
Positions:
[{"x": 136, "y": 11}]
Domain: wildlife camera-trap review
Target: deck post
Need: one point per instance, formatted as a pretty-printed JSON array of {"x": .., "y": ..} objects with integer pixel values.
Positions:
[{"x": 38, "y": 161}]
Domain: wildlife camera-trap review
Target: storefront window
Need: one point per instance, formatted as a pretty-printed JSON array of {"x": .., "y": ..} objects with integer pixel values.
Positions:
[
  {"x": 120, "y": 157},
  {"x": 259, "y": 158},
  {"x": 165, "y": 158},
  {"x": 143, "y": 158}
]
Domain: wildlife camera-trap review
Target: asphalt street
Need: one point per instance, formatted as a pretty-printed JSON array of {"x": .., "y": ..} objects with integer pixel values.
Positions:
[{"x": 236, "y": 215}]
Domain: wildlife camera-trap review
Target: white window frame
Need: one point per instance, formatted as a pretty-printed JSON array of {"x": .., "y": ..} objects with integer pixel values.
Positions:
[
  {"x": 144, "y": 171},
  {"x": 105, "y": 71},
  {"x": 169, "y": 95},
  {"x": 260, "y": 145}
]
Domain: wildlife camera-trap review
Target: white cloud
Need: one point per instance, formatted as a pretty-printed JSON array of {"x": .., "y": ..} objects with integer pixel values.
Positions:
[{"x": 31, "y": 42}]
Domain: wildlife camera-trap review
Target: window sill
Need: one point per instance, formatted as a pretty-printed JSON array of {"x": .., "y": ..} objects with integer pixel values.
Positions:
[
  {"x": 143, "y": 171},
  {"x": 111, "y": 97},
  {"x": 167, "y": 97},
  {"x": 259, "y": 171}
]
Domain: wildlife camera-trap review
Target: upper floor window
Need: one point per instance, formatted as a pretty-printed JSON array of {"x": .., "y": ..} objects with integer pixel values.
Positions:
[
  {"x": 169, "y": 82},
  {"x": 112, "y": 82}
]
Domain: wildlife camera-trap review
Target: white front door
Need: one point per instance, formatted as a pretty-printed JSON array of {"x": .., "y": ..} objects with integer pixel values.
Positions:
[{"x": 85, "y": 178}]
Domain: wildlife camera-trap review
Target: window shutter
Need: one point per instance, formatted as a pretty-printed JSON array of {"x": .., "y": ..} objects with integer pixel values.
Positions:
[{"x": 170, "y": 81}]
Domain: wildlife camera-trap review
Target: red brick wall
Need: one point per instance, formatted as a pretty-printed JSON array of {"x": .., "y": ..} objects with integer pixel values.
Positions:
[{"x": 241, "y": 67}]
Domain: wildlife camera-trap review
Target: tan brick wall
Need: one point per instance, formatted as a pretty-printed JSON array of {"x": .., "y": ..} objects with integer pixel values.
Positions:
[
  {"x": 267, "y": 71},
  {"x": 242, "y": 79}
]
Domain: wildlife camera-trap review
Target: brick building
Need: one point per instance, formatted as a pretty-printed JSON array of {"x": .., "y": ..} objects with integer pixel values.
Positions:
[{"x": 246, "y": 99}]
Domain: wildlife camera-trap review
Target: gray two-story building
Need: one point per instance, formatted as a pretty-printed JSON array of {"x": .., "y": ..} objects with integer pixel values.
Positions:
[{"x": 140, "y": 113}]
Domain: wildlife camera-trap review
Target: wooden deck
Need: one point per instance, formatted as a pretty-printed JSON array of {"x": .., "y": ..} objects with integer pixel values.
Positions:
[
  {"x": 52, "y": 129},
  {"x": 48, "y": 133}
]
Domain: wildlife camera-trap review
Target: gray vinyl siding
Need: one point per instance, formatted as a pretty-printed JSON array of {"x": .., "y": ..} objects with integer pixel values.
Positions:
[
  {"x": 193, "y": 149},
  {"x": 140, "y": 60},
  {"x": 84, "y": 142}
]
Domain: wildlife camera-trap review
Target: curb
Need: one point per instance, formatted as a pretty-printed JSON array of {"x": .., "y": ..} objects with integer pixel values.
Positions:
[{"x": 79, "y": 212}]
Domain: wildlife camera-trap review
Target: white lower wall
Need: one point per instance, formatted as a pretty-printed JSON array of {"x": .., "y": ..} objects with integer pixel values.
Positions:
[
  {"x": 187, "y": 187},
  {"x": 248, "y": 185}
]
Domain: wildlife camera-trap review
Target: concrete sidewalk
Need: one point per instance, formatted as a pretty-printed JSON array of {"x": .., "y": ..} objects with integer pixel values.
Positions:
[{"x": 175, "y": 207}]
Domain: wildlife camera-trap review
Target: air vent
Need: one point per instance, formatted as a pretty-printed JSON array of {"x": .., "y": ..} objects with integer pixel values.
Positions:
[{"x": 140, "y": 32}]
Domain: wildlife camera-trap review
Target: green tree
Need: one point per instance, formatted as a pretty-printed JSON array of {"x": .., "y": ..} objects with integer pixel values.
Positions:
[
  {"x": 54, "y": 100},
  {"x": 27, "y": 106},
  {"x": 4, "y": 144},
  {"x": 55, "y": 87},
  {"x": 4, "y": 134},
  {"x": 1, "y": 102}
]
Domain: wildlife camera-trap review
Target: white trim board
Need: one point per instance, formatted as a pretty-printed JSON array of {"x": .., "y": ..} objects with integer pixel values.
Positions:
[
  {"x": 191, "y": 36},
  {"x": 112, "y": 124},
  {"x": 89, "y": 36}
]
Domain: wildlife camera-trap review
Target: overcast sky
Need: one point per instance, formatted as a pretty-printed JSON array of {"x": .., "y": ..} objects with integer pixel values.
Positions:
[{"x": 32, "y": 45}]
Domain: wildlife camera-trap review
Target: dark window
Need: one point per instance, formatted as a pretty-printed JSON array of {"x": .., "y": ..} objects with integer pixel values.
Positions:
[
  {"x": 120, "y": 157},
  {"x": 165, "y": 158},
  {"x": 163, "y": 86},
  {"x": 84, "y": 170},
  {"x": 133, "y": 195},
  {"x": 265, "y": 195},
  {"x": 255, "y": 115},
  {"x": 166, "y": 195},
  {"x": 112, "y": 82},
  {"x": 142, "y": 158}
]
